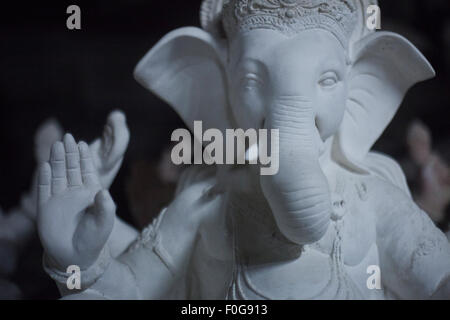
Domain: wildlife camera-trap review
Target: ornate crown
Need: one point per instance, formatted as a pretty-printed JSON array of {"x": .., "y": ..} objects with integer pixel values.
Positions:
[{"x": 291, "y": 16}]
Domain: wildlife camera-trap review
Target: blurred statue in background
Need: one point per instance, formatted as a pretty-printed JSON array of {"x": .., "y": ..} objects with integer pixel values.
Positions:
[
  {"x": 18, "y": 226},
  {"x": 433, "y": 193},
  {"x": 334, "y": 210}
]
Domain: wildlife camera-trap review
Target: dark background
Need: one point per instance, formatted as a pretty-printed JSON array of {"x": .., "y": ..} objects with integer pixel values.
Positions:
[{"x": 79, "y": 76}]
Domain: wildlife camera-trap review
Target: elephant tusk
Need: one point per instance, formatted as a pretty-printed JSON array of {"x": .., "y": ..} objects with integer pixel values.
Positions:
[{"x": 251, "y": 154}]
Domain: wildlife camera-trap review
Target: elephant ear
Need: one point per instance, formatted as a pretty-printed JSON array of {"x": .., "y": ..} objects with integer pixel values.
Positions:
[
  {"x": 186, "y": 70},
  {"x": 385, "y": 66}
]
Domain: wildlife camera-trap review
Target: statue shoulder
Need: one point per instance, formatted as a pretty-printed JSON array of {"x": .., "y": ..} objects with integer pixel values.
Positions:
[{"x": 387, "y": 169}]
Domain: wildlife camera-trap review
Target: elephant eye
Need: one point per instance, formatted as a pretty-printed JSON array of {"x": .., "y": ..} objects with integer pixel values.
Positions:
[{"x": 328, "y": 80}]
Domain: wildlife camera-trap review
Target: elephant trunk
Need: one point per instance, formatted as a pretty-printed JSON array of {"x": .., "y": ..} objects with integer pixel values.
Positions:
[{"x": 298, "y": 194}]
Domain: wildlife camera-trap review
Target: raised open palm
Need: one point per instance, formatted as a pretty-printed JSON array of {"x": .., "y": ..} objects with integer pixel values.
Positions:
[{"x": 75, "y": 216}]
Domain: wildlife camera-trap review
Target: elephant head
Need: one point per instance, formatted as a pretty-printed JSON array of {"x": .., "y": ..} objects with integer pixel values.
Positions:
[{"x": 308, "y": 68}]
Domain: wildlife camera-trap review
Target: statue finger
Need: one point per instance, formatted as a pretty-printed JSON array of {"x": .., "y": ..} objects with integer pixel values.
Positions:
[
  {"x": 58, "y": 168},
  {"x": 72, "y": 161}
]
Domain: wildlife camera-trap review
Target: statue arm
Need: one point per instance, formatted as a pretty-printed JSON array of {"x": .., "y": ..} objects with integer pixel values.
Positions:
[
  {"x": 146, "y": 270},
  {"x": 156, "y": 263},
  {"x": 414, "y": 253}
]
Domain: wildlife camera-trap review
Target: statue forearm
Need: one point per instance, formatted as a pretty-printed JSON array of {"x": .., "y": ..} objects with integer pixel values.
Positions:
[
  {"x": 139, "y": 274},
  {"x": 158, "y": 258},
  {"x": 150, "y": 268},
  {"x": 117, "y": 282}
]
